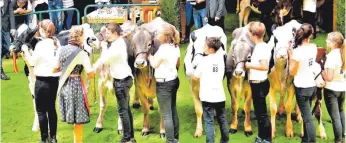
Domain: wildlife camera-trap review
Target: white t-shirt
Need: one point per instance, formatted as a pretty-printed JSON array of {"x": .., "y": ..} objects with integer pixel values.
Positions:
[
  {"x": 306, "y": 57},
  {"x": 334, "y": 61},
  {"x": 211, "y": 71},
  {"x": 67, "y": 3},
  {"x": 45, "y": 58},
  {"x": 169, "y": 55},
  {"x": 309, "y": 5},
  {"x": 116, "y": 57},
  {"x": 261, "y": 52}
]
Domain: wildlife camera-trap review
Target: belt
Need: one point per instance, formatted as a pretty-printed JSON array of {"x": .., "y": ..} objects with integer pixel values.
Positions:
[
  {"x": 166, "y": 79},
  {"x": 257, "y": 81},
  {"x": 74, "y": 75}
]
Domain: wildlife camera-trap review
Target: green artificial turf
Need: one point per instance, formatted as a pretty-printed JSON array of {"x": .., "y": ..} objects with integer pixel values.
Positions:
[{"x": 17, "y": 112}]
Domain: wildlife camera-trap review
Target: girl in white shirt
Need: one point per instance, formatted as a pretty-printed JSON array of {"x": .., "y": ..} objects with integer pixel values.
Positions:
[
  {"x": 301, "y": 66},
  {"x": 258, "y": 78},
  {"x": 334, "y": 91},
  {"x": 44, "y": 59},
  {"x": 166, "y": 62}
]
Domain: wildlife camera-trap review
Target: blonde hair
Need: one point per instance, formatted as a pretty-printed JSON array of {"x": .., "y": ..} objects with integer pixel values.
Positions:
[
  {"x": 170, "y": 35},
  {"x": 257, "y": 29},
  {"x": 76, "y": 33},
  {"x": 49, "y": 29},
  {"x": 339, "y": 40}
]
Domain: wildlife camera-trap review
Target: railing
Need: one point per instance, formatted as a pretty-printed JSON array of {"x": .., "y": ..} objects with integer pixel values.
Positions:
[
  {"x": 55, "y": 10},
  {"x": 113, "y": 5}
]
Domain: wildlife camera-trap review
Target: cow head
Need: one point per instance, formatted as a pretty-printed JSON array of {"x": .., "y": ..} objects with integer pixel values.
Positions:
[
  {"x": 240, "y": 54},
  {"x": 24, "y": 35},
  {"x": 142, "y": 44}
]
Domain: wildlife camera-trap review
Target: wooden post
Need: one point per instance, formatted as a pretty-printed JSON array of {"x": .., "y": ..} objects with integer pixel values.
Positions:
[{"x": 334, "y": 15}]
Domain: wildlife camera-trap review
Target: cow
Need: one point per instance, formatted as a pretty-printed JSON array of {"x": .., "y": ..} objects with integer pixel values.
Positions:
[
  {"x": 282, "y": 40},
  {"x": 194, "y": 54},
  {"x": 237, "y": 82}
]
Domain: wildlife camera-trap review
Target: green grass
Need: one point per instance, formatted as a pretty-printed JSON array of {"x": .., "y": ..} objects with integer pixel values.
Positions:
[{"x": 17, "y": 113}]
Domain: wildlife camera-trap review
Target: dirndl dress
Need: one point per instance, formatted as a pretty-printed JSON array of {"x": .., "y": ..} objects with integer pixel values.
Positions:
[{"x": 74, "y": 108}]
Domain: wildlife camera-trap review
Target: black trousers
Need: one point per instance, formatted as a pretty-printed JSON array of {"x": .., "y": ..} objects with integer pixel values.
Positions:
[
  {"x": 266, "y": 8},
  {"x": 122, "y": 87},
  {"x": 42, "y": 7},
  {"x": 259, "y": 93},
  {"x": 45, "y": 96},
  {"x": 310, "y": 17},
  {"x": 220, "y": 22}
]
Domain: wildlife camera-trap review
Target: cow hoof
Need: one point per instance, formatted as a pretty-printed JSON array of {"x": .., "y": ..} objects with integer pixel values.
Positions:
[
  {"x": 145, "y": 133},
  {"x": 248, "y": 133},
  {"x": 151, "y": 107},
  {"x": 120, "y": 132},
  {"x": 136, "y": 105},
  {"x": 97, "y": 130},
  {"x": 162, "y": 135},
  {"x": 233, "y": 131}
]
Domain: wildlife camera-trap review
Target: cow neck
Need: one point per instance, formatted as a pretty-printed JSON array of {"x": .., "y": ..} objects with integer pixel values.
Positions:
[
  {"x": 281, "y": 75},
  {"x": 147, "y": 75}
]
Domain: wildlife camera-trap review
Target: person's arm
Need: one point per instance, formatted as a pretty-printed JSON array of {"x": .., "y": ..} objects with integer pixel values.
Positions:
[
  {"x": 32, "y": 59},
  {"x": 56, "y": 56},
  {"x": 328, "y": 73},
  {"x": 200, "y": 1},
  {"x": 109, "y": 55},
  {"x": 293, "y": 62},
  {"x": 178, "y": 60},
  {"x": 157, "y": 59},
  {"x": 263, "y": 66},
  {"x": 219, "y": 12}
]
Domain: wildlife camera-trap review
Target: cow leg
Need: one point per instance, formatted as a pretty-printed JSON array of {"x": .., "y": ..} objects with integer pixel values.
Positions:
[
  {"x": 151, "y": 103},
  {"x": 103, "y": 106},
  {"x": 300, "y": 120},
  {"x": 246, "y": 15},
  {"x": 247, "y": 109},
  {"x": 36, "y": 125},
  {"x": 198, "y": 108},
  {"x": 273, "y": 110},
  {"x": 234, "y": 122},
  {"x": 288, "y": 107},
  {"x": 321, "y": 130},
  {"x": 241, "y": 17},
  {"x": 135, "y": 103},
  {"x": 145, "y": 109}
]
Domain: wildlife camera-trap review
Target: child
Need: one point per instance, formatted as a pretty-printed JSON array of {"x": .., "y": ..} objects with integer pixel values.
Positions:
[
  {"x": 211, "y": 72},
  {"x": 258, "y": 78}
]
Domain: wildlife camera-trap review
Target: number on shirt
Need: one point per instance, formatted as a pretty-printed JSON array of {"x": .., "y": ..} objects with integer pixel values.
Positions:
[
  {"x": 310, "y": 62},
  {"x": 215, "y": 69}
]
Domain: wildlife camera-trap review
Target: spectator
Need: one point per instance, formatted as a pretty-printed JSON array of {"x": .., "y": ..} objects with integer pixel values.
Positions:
[
  {"x": 68, "y": 14},
  {"x": 216, "y": 11},
  {"x": 21, "y": 7},
  {"x": 199, "y": 13},
  {"x": 266, "y": 7},
  {"x": 56, "y": 17},
  {"x": 309, "y": 14},
  {"x": 188, "y": 16},
  {"x": 7, "y": 28},
  {"x": 41, "y": 5},
  {"x": 211, "y": 72}
]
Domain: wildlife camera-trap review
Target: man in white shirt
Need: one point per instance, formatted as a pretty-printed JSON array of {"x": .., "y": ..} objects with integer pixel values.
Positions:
[
  {"x": 116, "y": 57},
  {"x": 211, "y": 72}
]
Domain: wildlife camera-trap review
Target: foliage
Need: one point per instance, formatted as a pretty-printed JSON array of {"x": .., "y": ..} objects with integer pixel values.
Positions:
[
  {"x": 170, "y": 12},
  {"x": 340, "y": 15}
]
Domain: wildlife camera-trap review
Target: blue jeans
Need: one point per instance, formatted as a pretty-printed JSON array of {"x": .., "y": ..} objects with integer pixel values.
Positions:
[
  {"x": 198, "y": 17},
  {"x": 167, "y": 99},
  {"x": 69, "y": 18},
  {"x": 188, "y": 10},
  {"x": 56, "y": 17},
  {"x": 304, "y": 98},
  {"x": 208, "y": 116},
  {"x": 335, "y": 105}
]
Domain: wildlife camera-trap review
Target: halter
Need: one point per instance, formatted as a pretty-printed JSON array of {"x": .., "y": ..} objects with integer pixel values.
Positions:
[{"x": 151, "y": 69}]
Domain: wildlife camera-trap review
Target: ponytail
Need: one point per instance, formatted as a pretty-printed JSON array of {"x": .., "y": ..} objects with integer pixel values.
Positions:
[{"x": 304, "y": 32}]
